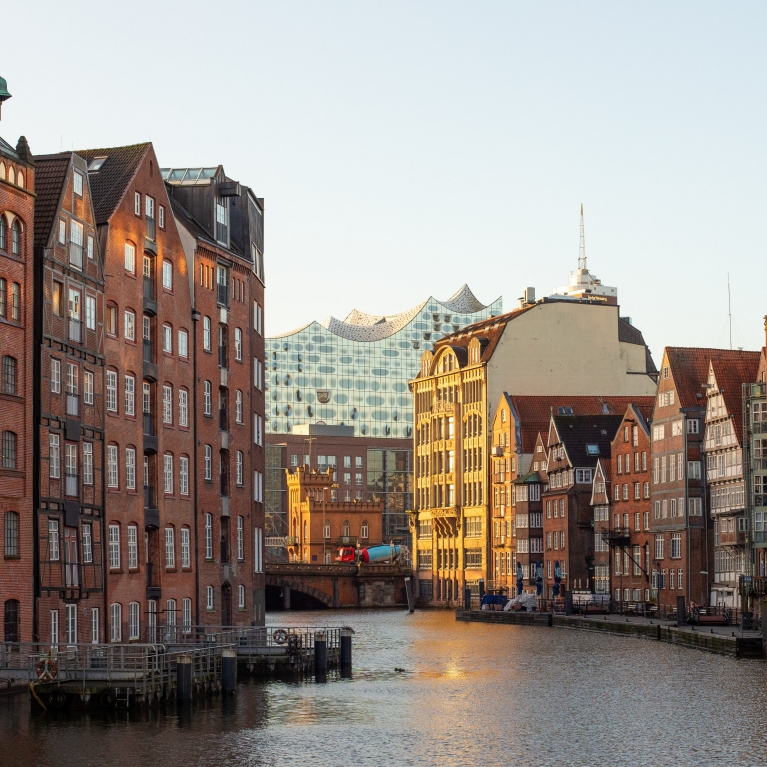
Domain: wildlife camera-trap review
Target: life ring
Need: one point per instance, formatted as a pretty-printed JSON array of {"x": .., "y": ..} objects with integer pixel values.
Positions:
[
  {"x": 46, "y": 670},
  {"x": 280, "y": 636}
]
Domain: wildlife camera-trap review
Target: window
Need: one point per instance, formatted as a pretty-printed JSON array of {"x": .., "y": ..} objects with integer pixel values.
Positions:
[
  {"x": 133, "y": 620},
  {"x": 115, "y": 616},
  {"x": 167, "y": 275},
  {"x": 258, "y": 318},
  {"x": 238, "y": 406},
  {"x": 9, "y": 450},
  {"x": 90, "y": 247},
  {"x": 186, "y": 615},
  {"x": 183, "y": 475},
  {"x": 11, "y": 534},
  {"x": 365, "y": 529},
  {"x": 206, "y": 398},
  {"x": 54, "y": 456},
  {"x": 111, "y": 320},
  {"x": 206, "y": 333},
  {"x": 130, "y": 468},
  {"x": 185, "y": 548},
  {"x": 56, "y": 376},
  {"x": 130, "y": 326},
  {"x": 183, "y": 407},
  {"x": 183, "y": 343},
  {"x": 358, "y": 479},
  {"x": 62, "y": 232},
  {"x": 114, "y": 547},
  {"x": 87, "y": 543},
  {"x": 132, "y": 547},
  {"x": 238, "y": 344},
  {"x": 90, "y": 312},
  {"x": 112, "y": 479},
  {"x": 137, "y": 203},
  {"x": 168, "y": 474},
  {"x": 240, "y": 538},
  {"x": 693, "y": 469},
  {"x": 258, "y": 373},
  {"x": 208, "y": 464},
  {"x": 693, "y": 426},
  {"x": 258, "y": 487},
  {"x": 659, "y": 547},
  {"x": 167, "y": 339},
  {"x": 16, "y": 301},
  {"x": 170, "y": 549},
  {"x": 3, "y": 283},
  {"x": 111, "y": 390},
  {"x": 209, "y": 603},
  {"x": 676, "y": 546},
  {"x": 208, "y": 536},
  {"x": 87, "y": 463},
  {"x": 695, "y": 507},
  {"x": 167, "y": 404},
  {"x": 239, "y": 468},
  {"x": 130, "y": 257},
  {"x": 9, "y": 374},
  {"x": 583, "y": 475},
  {"x": 161, "y": 217}
]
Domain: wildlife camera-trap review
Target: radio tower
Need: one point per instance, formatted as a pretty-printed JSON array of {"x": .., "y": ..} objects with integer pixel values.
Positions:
[{"x": 582, "y": 251}]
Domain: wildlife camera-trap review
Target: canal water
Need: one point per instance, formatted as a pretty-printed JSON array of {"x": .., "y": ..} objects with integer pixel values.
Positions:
[{"x": 470, "y": 694}]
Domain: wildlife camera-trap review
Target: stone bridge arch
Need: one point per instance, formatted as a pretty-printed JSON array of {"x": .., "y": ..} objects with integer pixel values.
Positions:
[{"x": 300, "y": 587}]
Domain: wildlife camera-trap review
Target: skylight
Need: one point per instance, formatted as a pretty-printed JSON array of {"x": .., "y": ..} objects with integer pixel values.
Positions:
[
  {"x": 565, "y": 410},
  {"x": 95, "y": 164},
  {"x": 592, "y": 449}
]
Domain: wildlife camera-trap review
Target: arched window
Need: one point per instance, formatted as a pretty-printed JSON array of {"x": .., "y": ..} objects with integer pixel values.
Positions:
[
  {"x": 238, "y": 344},
  {"x": 364, "y": 529},
  {"x": 11, "y": 534},
  {"x": 11, "y": 174},
  {"x": 208, "y": 462},
  {"x": 9, "y": 450},
  {"x": 3, "y": 227},
  {"x": 206, "y": 398},
  {"x": 16, "y": 238},
  {"x": 115, "y": 621},
  {"x": 16, "y": 301},
  {"x": 11, "y": 620},
  {"x": 2, "y": 170},
  {"x": 346, "y": 529},
  {"x": 9, "y": 374},
  {"x": 238, "y": 406},
  {"x": 20, "y": 180},
  {"x": 241, "y": 597}
]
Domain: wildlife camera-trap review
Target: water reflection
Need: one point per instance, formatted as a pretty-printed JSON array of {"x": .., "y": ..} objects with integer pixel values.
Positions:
[{"x": 468, "y": 694}]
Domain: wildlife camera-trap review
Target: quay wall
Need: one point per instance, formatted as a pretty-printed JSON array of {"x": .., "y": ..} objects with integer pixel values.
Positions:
[{"x": 701, "y": 639}]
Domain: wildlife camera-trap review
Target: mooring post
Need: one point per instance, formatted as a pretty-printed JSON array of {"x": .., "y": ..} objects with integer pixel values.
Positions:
[
  {"x": 320, "y": 654},
  {"x": 286, "y": 597},
  {"x": 681, "y": 612},
  {"x": 336, "y": 596},
  {"x": 409, "y": 590},
  {"x": 184, "y": 678},
  {"x": 346, "y": 648},
  {"x": 467, "y": 598},
  {"x": 229, "y": 670}
]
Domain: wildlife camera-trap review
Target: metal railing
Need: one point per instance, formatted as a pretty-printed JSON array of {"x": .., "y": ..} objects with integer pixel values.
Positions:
[
  {"x": 73, "y": 404},
  {"x": 151, "y": 228},
  {"x": 75, "y": 333},
  {"x": 148, "y": 288},
  {"x": 149, "y": 499},
  {"x": 149, "y": 424}
]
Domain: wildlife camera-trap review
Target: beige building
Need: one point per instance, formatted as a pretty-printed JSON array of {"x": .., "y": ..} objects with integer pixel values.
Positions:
[{"x": 559, "y": 345}]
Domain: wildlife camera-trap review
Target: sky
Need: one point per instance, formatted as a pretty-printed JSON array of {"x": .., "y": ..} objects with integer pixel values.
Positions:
[{"x": 406, "y": 148}]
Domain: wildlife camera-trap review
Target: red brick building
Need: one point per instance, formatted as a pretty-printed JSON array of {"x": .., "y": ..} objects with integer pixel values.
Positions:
[
  {"x": 150, "y": 519},
  {"x": 601, "y": 489},
  {"x": 17, "y": 184},
  {"x": 68, "y": 404},
  {"x": 629, "y": 514},
  {"x": 222, "y": 227}
]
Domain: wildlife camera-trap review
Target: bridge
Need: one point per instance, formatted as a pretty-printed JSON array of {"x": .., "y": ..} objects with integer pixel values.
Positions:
[{"x": 296, "y": 585}]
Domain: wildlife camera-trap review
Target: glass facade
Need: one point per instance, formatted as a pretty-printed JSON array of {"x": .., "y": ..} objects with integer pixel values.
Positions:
[
  {"x": 355, "y": 372},
  {"x": 390, "y": 480},
  {"x": 276, "y": 503}
]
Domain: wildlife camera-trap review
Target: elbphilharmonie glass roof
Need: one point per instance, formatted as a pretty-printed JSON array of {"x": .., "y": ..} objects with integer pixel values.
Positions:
[{"x": 354, "y": 372}]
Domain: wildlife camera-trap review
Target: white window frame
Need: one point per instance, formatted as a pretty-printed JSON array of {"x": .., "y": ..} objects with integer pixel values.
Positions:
[
  {"x": 114, "y": 547},
  {"x": 167, "y": 473},
  {"x": 170, "y": 548},
  {"x": 167, "y": 404},
  {"x": 167, "y": 274},
  {"x": 186, "y": 560},
  {"x": 87, "y": 463},
  {"x": 112, "y": 391},
  {"x": 55, "y": 376},
  {"x": 130, "y": 258},
  {"x": 183, "y": 475},
  {"x": 54, "y": 456},
  {"x": 132, "y": 547},
  {"x": 88, "y": 387},
  {"x": 208, "y": 536},
  {"x": 115, "y": 621},
  {"x": 134, "y": 624},
  {"x": 240, "y": 538},
  {"x": 130, "y": 468},
  {"x": 129, "y": 395},
  {"x": 113, "y": 474}
]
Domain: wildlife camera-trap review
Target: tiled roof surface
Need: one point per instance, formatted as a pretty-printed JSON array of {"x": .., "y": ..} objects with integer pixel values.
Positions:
[
  {"x": 109, "y": 183},
  {"x": 689, "y": 369},
  {"x": 534, "y": 412},
  {"x": 50, "y": 175},
  {"x": 578, "y": 431},
  {"x": 731, "y": 373}
]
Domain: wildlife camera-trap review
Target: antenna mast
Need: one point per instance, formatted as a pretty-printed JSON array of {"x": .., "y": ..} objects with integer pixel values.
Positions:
[
  {"x": 582, "y": 251},
  {"x": 729, "y": 308}
]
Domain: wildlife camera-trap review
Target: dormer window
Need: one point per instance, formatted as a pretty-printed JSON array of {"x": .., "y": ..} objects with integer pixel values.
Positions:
[
  {"x": 592, "y": 449},
  {"x": 222, "y": 220},
  {"x": 565, "y": 410}
]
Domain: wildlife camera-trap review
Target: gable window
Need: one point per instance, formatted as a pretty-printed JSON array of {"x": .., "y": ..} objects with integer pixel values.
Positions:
[
  {"x": 161, "y": 216},
  {"x": 76, "y": 244},
  {"x": 222, "y": 220},
  {"x": 137, "y": 203},
  {"x": 90, "y": 247},
  {"x": 167, "y": 275},
  {"x": 62, "y": 232},
  {"x": 130, "y": 257}
]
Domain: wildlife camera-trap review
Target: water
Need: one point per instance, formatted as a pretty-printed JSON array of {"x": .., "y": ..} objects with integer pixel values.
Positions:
[{"x": 471, "y": 694}]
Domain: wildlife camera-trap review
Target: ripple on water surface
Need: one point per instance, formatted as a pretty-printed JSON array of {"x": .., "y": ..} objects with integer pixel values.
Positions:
[{"x": 470, "y": 694}]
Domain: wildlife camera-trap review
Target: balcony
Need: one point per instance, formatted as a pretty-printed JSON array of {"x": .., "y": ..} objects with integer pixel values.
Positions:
[
  {"x": 223, "y": 295},
  {"x": 151, "y": 512},
  {"x": 71, "y": 485},
  {"x": 617, "y": 535},
  {"x": 151, "y": 228},
  {"x": 150, "y": 299},
  {"x": 75, "y": 255},
  {"x": 75, "y": 331},
  {"x": 153, "y": 590},
  {"x": 150, "y": 438},
  {"x": 73, "y": 404},
  {"x": 151, "y": 371}
]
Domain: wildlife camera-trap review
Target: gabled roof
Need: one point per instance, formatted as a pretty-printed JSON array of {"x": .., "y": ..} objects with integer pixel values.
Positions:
[
  {"x": 606, "y": 466},
  {"x": 689, "y": 369},
  {"x": 109, "y": 183},
  {"x": 50, "y": 175},
  {"x": 576, "y": 432},
  {"x": 730, "y": 376},
  {"x": 532, "y": 413}
]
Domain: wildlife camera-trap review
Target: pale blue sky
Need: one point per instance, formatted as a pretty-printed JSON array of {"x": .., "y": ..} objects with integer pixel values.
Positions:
[{"x": 406, "y": 148}]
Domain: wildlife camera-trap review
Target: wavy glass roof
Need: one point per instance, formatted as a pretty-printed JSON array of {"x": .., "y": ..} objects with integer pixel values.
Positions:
[{"x": 354, "y": 372}]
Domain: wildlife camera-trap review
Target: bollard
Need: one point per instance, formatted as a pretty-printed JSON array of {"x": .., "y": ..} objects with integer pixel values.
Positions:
[
  {"x": 320, "y": 652},
  {"x": 346, "y": 648},
  {"x": 467, "y": 598},
  {"x": 409, "y": 590},
  {"x": 229, "y": 671},
  {"x": 184, "y": 678},
  {"x": 286, "y": 597}
]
